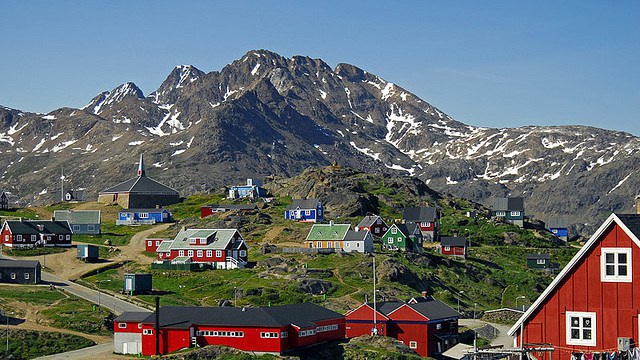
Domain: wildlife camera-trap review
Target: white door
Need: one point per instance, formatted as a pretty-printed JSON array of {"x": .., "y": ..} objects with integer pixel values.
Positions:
[{"x": 128, "y": 284}]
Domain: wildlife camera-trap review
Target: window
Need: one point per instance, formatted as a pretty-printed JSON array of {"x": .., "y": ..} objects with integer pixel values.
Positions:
[
  {"x": 394, "y": 230},
  {"x": 376, "y": 230},
  {"x": 266, "y": 335},
  {"x": 439, "y": 326},
  {"x": 209, "y": 253},
  {"x": 413, "y": 344},
  {"x": 515, "y": 213},
  {"x": 203, "y": 241},
  {"x": 447, "y": 248},
  {"x": 140, "y": 326},
  {"x": 91, "y": 228},
  {"x": 68, "y": 237},
  {"x": 181, "y": 253},
  {"x": 284, "y": 334},
  {"x": 243, "y": 252},
  {"x": 143, "y": 215},
  {"x": 122, "y": 325},
  {"x": 18, "y": 237},
  {"x": 76, "y": 227},
  {"x": 60, "y": 237},
  {"x": 307, "y": 212},
  {"x": 149, "y": 243},
  {"x": 26, "y": 276},
  {"x": 615, "y": 265},
  {"x": 425, "y": 224},
  {"x": 33, "y": 238},
  {"x": 540, "y": 261},
  {"x": 200, "y": 253},
  {"x": 147, "y": 332},
  {"x": 192, "y": 241},
  {"x": 500, "y": 213},
  {"x": 218, "y": 253},
  {"x": 319, "y": 244},
  {"x": 379, "y": 221},
  {"x": 390, "y": 240},
  {"x": 581, "y": 328},
  {"x": 13, "y": 276},
  {"x": 6, "y": 238},
  {"x": 158, "y": 242},
  {"x": 190, "y": 253},
  {"x": 336, "y": 244}
]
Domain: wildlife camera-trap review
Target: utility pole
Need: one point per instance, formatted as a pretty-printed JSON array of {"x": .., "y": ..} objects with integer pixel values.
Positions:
[
  {"x": 375, "y": 322},
  {"x": 61, "y": 184}
]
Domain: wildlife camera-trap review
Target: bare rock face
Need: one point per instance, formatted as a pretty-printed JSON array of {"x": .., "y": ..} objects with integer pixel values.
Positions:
[{"x": 266, "y": 115}]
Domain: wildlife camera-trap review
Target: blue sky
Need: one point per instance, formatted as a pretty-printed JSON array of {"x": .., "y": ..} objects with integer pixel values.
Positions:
[{"x": 486, "y": 63}]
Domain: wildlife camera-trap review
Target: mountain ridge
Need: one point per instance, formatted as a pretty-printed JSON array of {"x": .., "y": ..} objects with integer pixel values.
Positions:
[{"x": 264, "y": 114}]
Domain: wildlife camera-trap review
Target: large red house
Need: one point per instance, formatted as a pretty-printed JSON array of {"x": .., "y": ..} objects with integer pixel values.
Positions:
[
  {"x": 222, "y": 248},
  {"x": 424, "y": 324},
  {"x": 595, "y": 300},
  {"x": 30, "y": 233},
  {"x": 375, "y": 224},
  {"x": 270, "y": 329},
  {"x": 427, "y": 219}
]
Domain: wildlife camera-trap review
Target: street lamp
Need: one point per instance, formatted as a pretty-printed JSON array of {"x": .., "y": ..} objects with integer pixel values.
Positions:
[
  {"x": 520, "y": 297},
  {"x": 459, "y": 295},
  {"x": 98, "y": 285},
  {"x": 6, "y": 316}
]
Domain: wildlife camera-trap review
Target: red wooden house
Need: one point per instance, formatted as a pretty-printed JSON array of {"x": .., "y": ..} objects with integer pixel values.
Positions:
[
  {"x": 454, "y": 246},
  {"x": 270, "y": 330},
  {"x": 427, "y": 219},
  {"x": 151, "y": 245},
  {"x": 595, "y": 300},
  {"x": 30, "y": 233},
  {"x": 424, "y": 324},
  {"x": 375, "y": 224},
  {"x": 222, "y": 248}
]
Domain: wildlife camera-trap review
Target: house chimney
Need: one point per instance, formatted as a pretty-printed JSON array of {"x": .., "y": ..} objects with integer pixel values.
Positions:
[
  {"x": 331, "y": 223},
  {"x": 424, "y": 294}
]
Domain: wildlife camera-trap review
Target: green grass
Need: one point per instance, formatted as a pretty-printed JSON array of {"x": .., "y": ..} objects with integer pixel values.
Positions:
[
  {"x": 25, "y": 213},
  {"x": 118, "y": 234},
  {"x": 78, "y": 315},
  {"x": 36, "y": 295},
  {"x": 27, "y": 344},
  {"x": 33, "y": 251}
]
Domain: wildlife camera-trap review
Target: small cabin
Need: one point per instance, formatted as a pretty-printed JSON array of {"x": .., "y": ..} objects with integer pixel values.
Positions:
[
  {"x": 137, "y": 283},
  {"x": 89, "y": 253},
  {"x": 20, "y": 271},
  {"x": 538, "y": 261}
]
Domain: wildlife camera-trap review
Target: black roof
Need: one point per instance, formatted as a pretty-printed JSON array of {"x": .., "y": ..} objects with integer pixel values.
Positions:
[
  {"x": 453, "y": 241},
  {"x": 557, "y": 223},
  {"x": 31, "y": 227},
  {"x": 353, "y": 235},
  {"x": 631, "y": 221},
  {"x": 148, "y": 210},
  {"x": 303, "y": 204},
  {"x": 431, "y": 308},
  {"x": 132, "y": 316},
  {"x": 369, "y": 220},
  {"x": 508, "y": 204},
  {"x": 302, "y": 315},
  {"x": 23, "y": 264},
  {"x": 407, "y": 229},
  {"x": 420, "y": 214},
  {"x": 141, "y": 185}
]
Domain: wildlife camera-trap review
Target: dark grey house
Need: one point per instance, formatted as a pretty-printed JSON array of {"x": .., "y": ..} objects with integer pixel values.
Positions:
[
  {"x": 538, "y": 261},
  {"x": 4, "y": 201},
  {"x": 139, "y": 192},
  {"x": 509, "y": 210},
  {"x": 75, "y": 195},
  {"x": 20, "y": 271},
  {"x": 81, "y": 221}
]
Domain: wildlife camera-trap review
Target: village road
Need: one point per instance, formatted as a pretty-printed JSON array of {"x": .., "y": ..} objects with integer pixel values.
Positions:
[{"x": 101, "y": 351}]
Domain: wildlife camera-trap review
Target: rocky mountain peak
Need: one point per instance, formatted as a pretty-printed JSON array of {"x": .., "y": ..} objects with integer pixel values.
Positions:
[
  {"x": 174, "y": 85},
  {"x": 107, "y": 99}
]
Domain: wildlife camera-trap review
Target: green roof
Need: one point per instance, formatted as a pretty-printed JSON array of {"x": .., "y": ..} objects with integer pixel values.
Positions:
[
  {"x": 78, "y": 216},
  {"x": 328, "y": 231}
]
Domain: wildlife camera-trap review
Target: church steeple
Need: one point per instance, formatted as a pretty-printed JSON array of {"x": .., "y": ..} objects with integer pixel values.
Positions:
[{"x": 141, "y": 166}]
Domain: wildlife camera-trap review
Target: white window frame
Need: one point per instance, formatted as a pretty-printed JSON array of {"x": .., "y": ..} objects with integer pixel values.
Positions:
[
  {"x": 243, "y": 252},
  {"x": 26, "y": 276},
  {"x": 190, "y": 253},
  {"x": 199, "y": 253},
  {"x": 203, "y": 241},
  {"x": 149, "y": 243},
  {"x": 34, "y": 238},
  {"x": 218, "y": 253},
  {"x": 91, "y": 228},
  {"x": 122, "y": 325},
  {"x": 603, "y": 265},
  {"x": 147, "y": 331},
  {"x": 75, "y": 227},
  {"x": 18, "y": 237},
  {"x": 180, "y": 252},
  {"x": 68, "y": 237},
  {"x": 390, "y": 240},
  {"x": 581, "y": 315},
  {"x": 501, "y": 213},
  {"x": 209, "y": 253},
  {"x": 540, "y": 262},
  {"x": 307, "y": 212},
  {"x": 192, "y": 241},
  {"x": 447, "y": 248},
  {"x": 13, "y": 276},
  {"x": 413, "y": 344},
  {"x": 394, "y": 230},
  {"x": 515, "y": 213},
  {"x": 143, "y": 215}
]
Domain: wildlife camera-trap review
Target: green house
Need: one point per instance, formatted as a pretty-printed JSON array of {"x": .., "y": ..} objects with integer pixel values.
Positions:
[
  {"x": 405, "y": 237},
  {"x": 538, "y": 261}
]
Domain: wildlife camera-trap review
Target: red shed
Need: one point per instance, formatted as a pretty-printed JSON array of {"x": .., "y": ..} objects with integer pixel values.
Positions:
[
  {"x": 455, "y": 246},
  {"x": 595, "y": 300},
  {"x": 271, "y": 329},
  {"x": 424, "y": 324}
]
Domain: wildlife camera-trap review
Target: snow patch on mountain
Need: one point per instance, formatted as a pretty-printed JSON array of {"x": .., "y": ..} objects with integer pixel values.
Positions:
[
  {"x": 366, "y": 151},
  {"x": 63, "y": 145}
]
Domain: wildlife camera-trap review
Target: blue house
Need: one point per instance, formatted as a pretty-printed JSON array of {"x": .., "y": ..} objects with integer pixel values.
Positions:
[
  {"x": 143, "y": 216},
  {"x": 81, "y": 221},
  {"x": 253, "y": 189},
  {"x": 308, "y": 210},
  {"x": 559, "y": 228}
]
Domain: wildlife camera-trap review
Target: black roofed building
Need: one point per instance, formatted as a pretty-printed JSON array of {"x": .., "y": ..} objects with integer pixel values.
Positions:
[
  {"x": 267, "y": 330},
  {"x": 424, "y": 324},
  {"x": 20, "y": 271},
  {"x": 139, "y": 192},
  {"x": 509, "y": 210},
  {"x": 30, "y": 233},
  {"x": 427, "y": 218}
]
